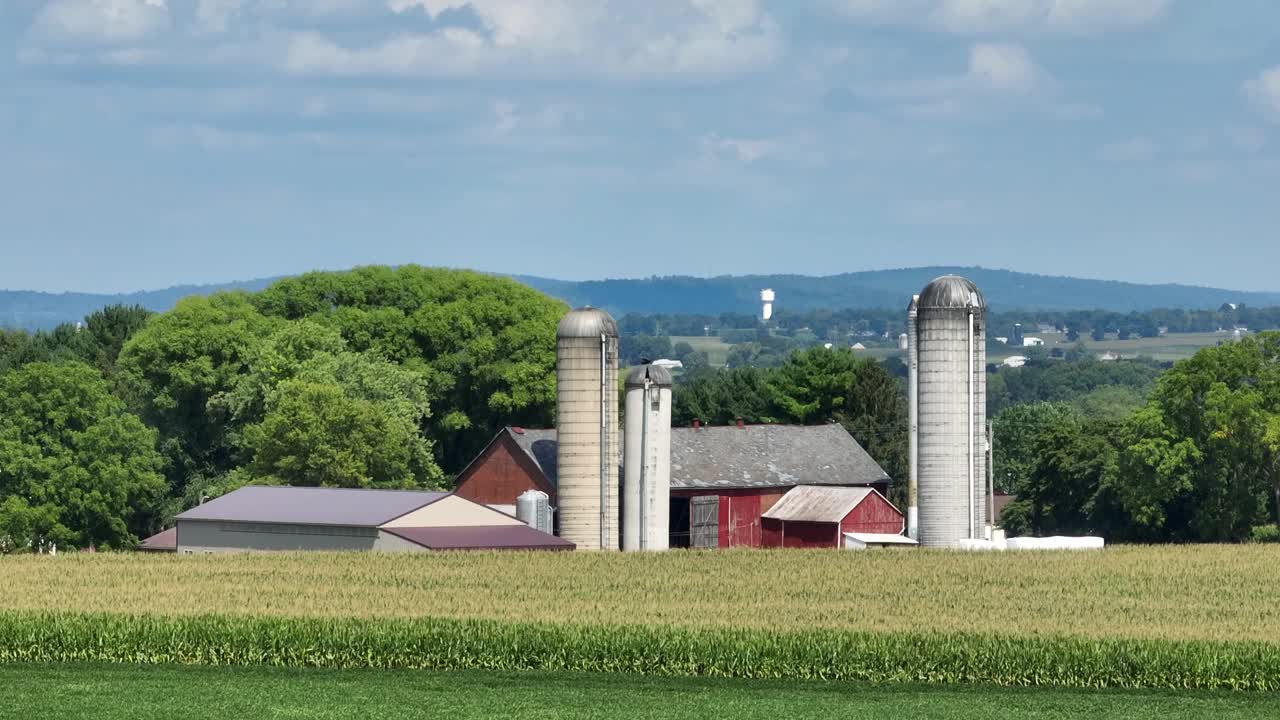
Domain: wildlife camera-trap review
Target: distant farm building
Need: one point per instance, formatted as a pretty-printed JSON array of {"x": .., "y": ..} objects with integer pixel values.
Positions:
[
  {"x": 722, "y": 478},
  {"x": 813, "y": 516},
  {"x": 263, "y": 518}
]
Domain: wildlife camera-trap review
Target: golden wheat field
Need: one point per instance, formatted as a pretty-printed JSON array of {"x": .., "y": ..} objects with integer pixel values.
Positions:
[{"x": 1187, "y": 592}]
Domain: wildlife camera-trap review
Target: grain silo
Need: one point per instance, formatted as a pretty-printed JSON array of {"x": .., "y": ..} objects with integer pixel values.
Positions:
[
  {"x": 587, "y": 428},
  {"x": 646, "y": 485},
  {"x": 948, "y": 356}
]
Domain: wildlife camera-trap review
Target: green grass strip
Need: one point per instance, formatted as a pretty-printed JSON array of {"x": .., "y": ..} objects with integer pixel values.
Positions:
[{"x": 671, "y": 652}]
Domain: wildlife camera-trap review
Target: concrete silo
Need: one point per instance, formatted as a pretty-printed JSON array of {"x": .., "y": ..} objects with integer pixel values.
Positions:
[
  {"x": 646, "y": 484},
  {"x": 947, "y": 365},
  {"x": 587, "y": 428}
]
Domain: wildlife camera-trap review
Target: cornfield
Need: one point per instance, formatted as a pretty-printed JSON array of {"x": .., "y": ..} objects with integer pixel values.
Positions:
[{"x": 1127, "y": 617}]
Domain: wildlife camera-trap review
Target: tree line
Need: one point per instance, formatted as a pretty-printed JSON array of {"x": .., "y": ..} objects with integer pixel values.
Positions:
[
  {"x": 376, "y": 377},
  {"x": 843, "y": 325},
  {"x": 1198, "y": 461}
]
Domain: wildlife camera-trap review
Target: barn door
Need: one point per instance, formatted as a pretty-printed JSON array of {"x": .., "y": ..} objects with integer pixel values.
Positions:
[{"x": 704, "y": 521}]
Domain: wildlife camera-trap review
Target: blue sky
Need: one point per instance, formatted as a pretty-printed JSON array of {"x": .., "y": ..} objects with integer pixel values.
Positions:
[{"x": 145, "y": 143}]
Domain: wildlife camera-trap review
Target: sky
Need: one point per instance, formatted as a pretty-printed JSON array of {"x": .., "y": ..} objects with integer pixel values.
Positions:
[{"x": 148, "y": 143}]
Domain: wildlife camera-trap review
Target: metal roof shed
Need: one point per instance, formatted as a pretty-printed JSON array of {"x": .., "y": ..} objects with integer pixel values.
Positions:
[
  {"x": 815, "y": 516},
  {"x": 264, "y": 518}
]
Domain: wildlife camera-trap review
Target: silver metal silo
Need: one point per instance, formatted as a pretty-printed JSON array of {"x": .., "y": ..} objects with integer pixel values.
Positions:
[
  {"x": 587, "y": 428},
  {"x": 646, "y": 483},
  {"x": 949, "y": 351}
]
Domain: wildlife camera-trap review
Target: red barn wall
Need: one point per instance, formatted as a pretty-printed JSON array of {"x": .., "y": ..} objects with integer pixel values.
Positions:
[
  {"x": 873, "y": 515},
  {"x": 796, "y": 534},
  {"x": 740, "y": 510},
  {"x": 500, "y": 474}
]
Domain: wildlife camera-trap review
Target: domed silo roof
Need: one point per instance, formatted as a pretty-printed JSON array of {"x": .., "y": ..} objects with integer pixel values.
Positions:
[
  {"x": 657, "y": 375},
  {"x": 951, "y": 291},
  {"x": 587, "y": 322}
]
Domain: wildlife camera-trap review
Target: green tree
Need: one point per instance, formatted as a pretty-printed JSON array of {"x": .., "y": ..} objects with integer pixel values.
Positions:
[
  {"x": 1019, "y": 432},
  {"x": 347, "y": 397},
  {"x": 720, "y": 397},
  {"x": 1199, "y": 462},
  {"x": 76, "y": 468},
  {"x": 1059, "y": 497},
  {"x": 111, "y": 327},
  {"x": 487, "y": 343},
  {"x": 317, "y": 434},
  {"x": 181, "y": 360}
]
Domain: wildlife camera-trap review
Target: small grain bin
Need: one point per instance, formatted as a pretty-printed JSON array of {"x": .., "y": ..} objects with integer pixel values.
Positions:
[{"x": 533, "y": 508}]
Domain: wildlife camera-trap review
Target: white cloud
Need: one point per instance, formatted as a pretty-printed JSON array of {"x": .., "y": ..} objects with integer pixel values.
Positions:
[
  {"x": 204, "y": 136},
  {"x": 216, "y": 15},
  {"x": 680, "y": 38},
  {"x": 1002, "y": 67},
  {"x": 985, "y": 16},
  {"x": 1132, "y": 149},
  {"x": 743, "y": 150},
  {"x": 102, "y": 21},
  {"x": 505, "y": 118},
  {"x": 1246, "y": 138},
  {"x": 1264, "y": 92}
]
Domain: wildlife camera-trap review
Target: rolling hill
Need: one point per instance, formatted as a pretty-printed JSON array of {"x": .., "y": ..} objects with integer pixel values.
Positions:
[{"x": 1005, "y": 289}]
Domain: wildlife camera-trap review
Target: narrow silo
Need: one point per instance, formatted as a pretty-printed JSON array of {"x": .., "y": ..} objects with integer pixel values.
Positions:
[
  {"x": 913, "y": 405},
  {"x": 949, "y": 354},
  {"x": 587, "y": 428},
  {"x": 646, "y": 484}
]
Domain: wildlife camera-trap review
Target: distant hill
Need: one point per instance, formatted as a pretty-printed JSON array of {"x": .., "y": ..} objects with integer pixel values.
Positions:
[
  {"x": 1005, "y": 290},
  {"x": 43, "y": 311}
]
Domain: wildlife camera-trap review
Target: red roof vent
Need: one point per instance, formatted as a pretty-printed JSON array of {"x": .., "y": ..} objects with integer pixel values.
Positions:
[{"x": 518, "y": 430}]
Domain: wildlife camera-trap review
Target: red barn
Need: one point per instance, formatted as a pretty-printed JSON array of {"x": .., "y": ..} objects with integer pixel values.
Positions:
[
  {"x": 723, "y": 479},
  {"x": 515, "y": 460},
  {"x": 810, "y": 517}
]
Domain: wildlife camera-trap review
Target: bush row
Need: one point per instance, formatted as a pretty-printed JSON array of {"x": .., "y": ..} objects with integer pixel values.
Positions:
[{"x": 469, "y": 644}]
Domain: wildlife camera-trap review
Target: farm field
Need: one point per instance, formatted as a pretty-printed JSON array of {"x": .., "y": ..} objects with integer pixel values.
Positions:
[
  {"x": 717, "y": 350},
  {"x": 105, "y": 692},
  {"x": 1173, "y": 347},
  {"x": 1206, "y": 592}
]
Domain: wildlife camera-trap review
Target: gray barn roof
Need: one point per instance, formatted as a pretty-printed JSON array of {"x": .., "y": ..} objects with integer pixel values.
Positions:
[
  {"x": 539, "y": 445},
  {"x": 350, "y": 507},
  {"x": 808, "y": 503},
  {"x": 755, "y": 456}
]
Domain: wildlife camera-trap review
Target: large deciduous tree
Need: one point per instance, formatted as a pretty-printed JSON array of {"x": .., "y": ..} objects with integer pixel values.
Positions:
[
  {"x": 182, "y": 359},
  {"x": 1200, "y": 461},
  {"x": 486, "y": 343},
  {"x": 76, "y": 468}
]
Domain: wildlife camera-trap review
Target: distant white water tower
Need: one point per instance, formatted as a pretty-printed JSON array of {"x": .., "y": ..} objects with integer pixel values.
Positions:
[
  {"x": 766, "y": 298},
  {"x": 947, "y": 401},
  {"x": 587, "y": 428},
  {"x": 646, "y": 483}
]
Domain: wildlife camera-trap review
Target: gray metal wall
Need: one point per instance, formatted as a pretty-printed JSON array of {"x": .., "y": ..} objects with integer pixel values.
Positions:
[
  {"x": 944, "y": 383},
  {"x": 584, "y": 514},
  {"x": 202, "y": 536},
  {"x": 653, "y": 451}
]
